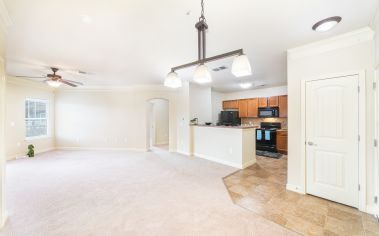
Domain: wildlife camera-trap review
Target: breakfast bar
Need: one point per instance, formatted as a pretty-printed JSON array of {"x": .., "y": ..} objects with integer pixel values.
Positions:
[{"x": 229, "y": 145}]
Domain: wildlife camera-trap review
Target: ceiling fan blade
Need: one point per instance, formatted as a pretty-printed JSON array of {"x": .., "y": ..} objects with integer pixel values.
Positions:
[
  {"x": 29, "y": 77},
  {"x": 67, "y": 83},
  {"x": 74, "y": 82}
]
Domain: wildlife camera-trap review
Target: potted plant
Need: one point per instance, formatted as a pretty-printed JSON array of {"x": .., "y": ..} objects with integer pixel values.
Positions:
[{"x": 30, "y": 150}]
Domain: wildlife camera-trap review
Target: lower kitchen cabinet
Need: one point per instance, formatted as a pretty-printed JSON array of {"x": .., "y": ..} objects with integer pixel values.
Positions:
[{"x": 281, "y": 141}]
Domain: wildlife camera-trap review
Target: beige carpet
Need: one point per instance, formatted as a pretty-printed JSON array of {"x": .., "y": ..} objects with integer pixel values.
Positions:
[{"x": 124, "y": 193}]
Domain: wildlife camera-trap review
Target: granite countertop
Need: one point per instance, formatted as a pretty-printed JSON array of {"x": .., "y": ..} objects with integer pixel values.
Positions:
[{"x": 227, "y": 127}]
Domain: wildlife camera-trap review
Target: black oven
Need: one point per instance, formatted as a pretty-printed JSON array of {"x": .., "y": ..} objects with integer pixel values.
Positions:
[
  {"x": 266, "y": 112},
  {"x": 266, "y": 136}
]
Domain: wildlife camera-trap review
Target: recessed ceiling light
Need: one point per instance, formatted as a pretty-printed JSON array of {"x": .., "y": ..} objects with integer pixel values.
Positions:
[
  {"x": 86, "y": 19},
  {"x": 326, "y": 24},
  {"x": 246, "y": 85}
]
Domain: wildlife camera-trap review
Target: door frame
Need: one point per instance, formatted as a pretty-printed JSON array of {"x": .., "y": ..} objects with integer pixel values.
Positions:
[
  {"x": 361, "y": 129},
  {"x": 376, "y": 149}
]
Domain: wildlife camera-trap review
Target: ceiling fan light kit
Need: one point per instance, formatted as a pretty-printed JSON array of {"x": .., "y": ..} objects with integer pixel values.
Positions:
[
  {"x": 241, "y": 65},
  {"x": 53, "y": 83}
]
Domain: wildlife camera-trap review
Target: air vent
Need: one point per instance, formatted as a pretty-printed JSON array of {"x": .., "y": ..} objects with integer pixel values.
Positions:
[{"x": 220, "y": 68}]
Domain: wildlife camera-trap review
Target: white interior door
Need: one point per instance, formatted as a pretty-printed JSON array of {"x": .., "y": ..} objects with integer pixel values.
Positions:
[{"x": 332, "y": 139}]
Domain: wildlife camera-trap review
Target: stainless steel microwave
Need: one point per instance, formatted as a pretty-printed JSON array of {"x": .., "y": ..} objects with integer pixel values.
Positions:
[{"x": 266, "y": 112}]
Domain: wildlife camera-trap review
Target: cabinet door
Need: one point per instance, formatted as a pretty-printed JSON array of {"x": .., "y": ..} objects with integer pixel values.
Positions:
[
  {"x": 281, "y": 142},
  {"x": 283, "y": 106},
  {"x": 242, "y": 107},
  {"x": 262, "y": 102},
  {"x": 226, "y": 105},
  {"x": 252, "y": 107},
  {"x": 234, "y": 104},
  {"x": 273, "y": 101}
]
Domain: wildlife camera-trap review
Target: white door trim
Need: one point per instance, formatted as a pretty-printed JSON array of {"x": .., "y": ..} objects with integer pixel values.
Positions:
[
  {"x": 362, "y": 132},
  {"x": 376, "y": 151}
]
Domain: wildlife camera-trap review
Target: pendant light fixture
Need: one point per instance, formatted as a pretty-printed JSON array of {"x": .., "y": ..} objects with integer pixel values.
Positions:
[
  {"x": 241, "y": 65},
  {"x": 172, "y": 80}
]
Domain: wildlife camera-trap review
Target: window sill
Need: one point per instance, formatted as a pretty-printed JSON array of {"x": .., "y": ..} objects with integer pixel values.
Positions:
[{"x": 37, "y": 137}]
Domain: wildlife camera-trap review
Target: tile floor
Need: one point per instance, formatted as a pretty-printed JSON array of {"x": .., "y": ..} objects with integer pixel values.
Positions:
[{"x": 261, "y": 189}]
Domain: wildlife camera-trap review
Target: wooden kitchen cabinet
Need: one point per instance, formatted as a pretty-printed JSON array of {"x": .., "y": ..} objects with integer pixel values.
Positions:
[
  {"x": 262, "y": 102},
  {"x": 232, "y": 104},
  {"x": 273, "y": 101},
  {"x": 243, "y": 108},
  {"x": 281, "y": 141},
  {"x": 252, "y": 107},
  {"x": 283, "y": 106}
]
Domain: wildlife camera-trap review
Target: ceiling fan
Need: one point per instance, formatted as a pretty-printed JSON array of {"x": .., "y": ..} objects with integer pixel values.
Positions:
[{"x": 55, "y": 80}]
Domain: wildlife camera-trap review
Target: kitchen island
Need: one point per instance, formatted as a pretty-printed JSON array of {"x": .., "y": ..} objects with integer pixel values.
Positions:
[{"x": 229, "y": 145}]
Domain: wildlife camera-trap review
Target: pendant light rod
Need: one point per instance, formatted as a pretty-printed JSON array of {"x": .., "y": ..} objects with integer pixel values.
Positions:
[{"x": 206, "y": 60}]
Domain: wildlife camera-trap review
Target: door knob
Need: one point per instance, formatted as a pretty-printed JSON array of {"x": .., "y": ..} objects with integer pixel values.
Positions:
[{"x": 311, "y": 143}]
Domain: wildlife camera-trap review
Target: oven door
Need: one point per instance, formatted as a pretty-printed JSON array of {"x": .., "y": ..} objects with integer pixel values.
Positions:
[{"x": 266, "y": 140}]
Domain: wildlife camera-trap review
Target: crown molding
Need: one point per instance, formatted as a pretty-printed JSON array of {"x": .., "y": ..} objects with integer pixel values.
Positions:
[
  {"x": 153, "y": 88},
  {"x": 5, "y": 19},
  {"x": 341, "y": 41}
]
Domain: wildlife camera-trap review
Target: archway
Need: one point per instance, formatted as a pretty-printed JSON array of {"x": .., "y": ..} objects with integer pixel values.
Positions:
[{"x": 158, "y": 123}]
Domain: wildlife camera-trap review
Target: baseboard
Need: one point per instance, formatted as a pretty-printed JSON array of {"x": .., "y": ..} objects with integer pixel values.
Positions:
[
  {"x": 100, "y": 149},
  {"x": 183, "y": 153},
  {"x": 227, "y": 163},
  {"x": 249, "y": 163},
  {"x": 371, "y": 209},
  {"x": 295, "y": 188},
  {"x": 20, "y": 155}
]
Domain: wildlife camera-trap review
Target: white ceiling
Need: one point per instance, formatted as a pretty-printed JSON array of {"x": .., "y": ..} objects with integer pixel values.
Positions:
[{"x": 137, "y": 42}]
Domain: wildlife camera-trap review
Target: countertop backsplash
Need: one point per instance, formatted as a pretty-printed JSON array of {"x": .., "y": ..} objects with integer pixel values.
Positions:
[{"x": 257, "y": 121}]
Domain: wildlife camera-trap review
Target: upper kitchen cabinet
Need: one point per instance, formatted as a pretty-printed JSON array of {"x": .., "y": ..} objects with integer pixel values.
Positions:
[
  {"x": 283, "y": 106},
  {"x": 232, "y": 104},
  {"x": 273, "y": 101},
  {"x": 243, "y": 108},
  {"x": 262, "y": 102},
  {"x": 252, "y": 107}
]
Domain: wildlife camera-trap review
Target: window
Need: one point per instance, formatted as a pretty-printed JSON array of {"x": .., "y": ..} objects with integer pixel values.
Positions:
[{"x": 36, "y": 118}]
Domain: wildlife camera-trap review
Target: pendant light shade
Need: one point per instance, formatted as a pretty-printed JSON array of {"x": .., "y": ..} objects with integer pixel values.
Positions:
[
  {"x": 241, "y": 66},
  {"x": 202, "y": 75},
  {"x": 53, "y": 83},
  {"x": 172, "y": 80}
]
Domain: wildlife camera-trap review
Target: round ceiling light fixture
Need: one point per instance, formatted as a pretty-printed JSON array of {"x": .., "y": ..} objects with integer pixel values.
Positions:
[{"x": 327, "y": 24}]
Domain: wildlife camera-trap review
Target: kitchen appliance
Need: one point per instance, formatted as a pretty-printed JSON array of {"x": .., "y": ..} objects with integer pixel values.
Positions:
[
  {"x": 266, "y": 136},
  {"x": 266, "y": 112},
  {"x": 230, "y": 118}
]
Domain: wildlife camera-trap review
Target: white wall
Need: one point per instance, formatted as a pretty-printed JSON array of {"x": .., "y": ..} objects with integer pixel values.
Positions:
[
  {"x": 253, "y": 93},
  {"x": 217, "y": 99},
  {"x": 116, "y": 118},
  {"x": 352, "y": 52},
  {"x": 160, "y": 113},
  {"x": 200, "y": 103},
  {"x": 17, "y": 91}
]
